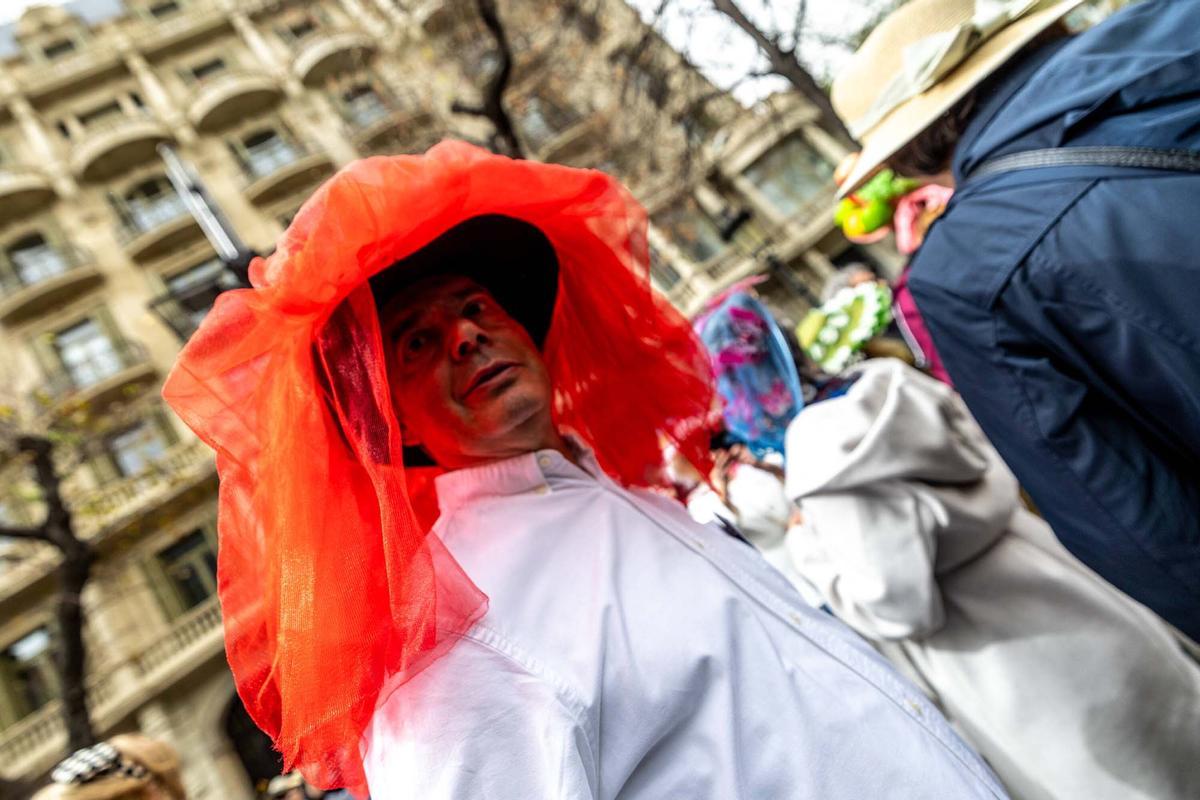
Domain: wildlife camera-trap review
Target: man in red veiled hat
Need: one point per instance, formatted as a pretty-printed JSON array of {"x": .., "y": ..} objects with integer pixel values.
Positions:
[{"x": 436, "y": 415}]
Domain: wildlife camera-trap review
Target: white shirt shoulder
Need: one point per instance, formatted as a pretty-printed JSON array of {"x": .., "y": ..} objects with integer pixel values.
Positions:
[{"x": 424, "y": 740}]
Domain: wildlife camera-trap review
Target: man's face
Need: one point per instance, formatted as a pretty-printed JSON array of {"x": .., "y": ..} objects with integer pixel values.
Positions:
[{"x": 467, "y": 382}]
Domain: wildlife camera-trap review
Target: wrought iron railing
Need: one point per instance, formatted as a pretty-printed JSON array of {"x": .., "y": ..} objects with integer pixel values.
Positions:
[
  {"x": 42, "y": 733},
  {"x": 30, "y": 267},
  {"x": 63, "y": 380},
  {"x": 96, "y": 508}
]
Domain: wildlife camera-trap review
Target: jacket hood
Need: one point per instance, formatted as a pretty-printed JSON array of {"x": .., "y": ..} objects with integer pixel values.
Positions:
[{"x": 893, "y": 423}]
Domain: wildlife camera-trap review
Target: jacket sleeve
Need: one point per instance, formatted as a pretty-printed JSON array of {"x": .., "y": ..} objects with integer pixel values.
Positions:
[
  {"x": 871, "y": 554},
  {"x": 476, "y": 726}
]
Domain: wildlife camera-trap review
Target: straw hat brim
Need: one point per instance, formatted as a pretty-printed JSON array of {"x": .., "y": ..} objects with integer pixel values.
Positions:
[{"x": 911, "y": 117}]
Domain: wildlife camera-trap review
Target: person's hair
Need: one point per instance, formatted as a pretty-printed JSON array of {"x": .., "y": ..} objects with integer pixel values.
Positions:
[{"x": 931, "y": 151}]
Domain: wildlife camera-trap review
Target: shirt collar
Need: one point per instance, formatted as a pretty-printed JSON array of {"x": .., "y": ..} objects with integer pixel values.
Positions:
[{"x": 531, "y": 472}]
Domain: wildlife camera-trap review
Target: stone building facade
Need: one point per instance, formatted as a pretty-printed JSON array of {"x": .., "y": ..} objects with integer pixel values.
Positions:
[{"x": 103, "y": 272}]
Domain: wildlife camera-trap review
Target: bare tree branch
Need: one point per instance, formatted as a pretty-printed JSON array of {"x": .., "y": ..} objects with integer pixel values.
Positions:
[
  {"x": 492, "y": 107},
  {"x": 784, "y": 64},
  {"x": 32, "y": 534}
]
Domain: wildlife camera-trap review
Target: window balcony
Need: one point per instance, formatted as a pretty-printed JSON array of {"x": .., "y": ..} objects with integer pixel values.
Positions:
[
  {"x": 278, "y": 167},
  {"x": 325, "y": 54},
  {"x": 151, "y": 229},
  {"x": 89, "y": 66},
  {"x": 108, "y": 370},
  {"x": 573, "y": 141},
  {"x": 116, "y": 144},
  {"x": 436, "y": 17},
  {"x": 33, "y": 745},
  {"x": 23, "y": 191},
  {"x": 183, "y": 309},
  {"x": 230, "y": 97},
  {"x": 374, "y": 122},
  {"x": 43, "y": 280},
  {"x": 96, "y": 509}
]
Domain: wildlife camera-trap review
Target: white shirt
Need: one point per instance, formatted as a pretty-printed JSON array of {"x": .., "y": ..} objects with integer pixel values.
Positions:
[{"x": 630, "y": 652}]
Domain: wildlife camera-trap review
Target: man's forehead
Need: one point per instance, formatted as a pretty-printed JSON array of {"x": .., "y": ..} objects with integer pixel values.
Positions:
[{"x": 425, "y": 293}]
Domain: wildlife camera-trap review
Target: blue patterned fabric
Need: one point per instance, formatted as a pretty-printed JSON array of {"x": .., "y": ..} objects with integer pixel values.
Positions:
[{"x": 756, "y": 376}]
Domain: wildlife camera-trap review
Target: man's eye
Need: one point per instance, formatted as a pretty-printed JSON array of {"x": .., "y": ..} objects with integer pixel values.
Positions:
[
  {"x": 415, "y": 344},
  {"x": 473, "y": 309}
]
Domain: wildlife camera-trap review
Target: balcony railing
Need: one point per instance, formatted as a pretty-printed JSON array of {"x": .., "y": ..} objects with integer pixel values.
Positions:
[
  {"x": 279, "y": 166},
  {"x": 144, "y": 217},
  {"x": 33, "y": 266},
  {"x": 23, "y": 191},
  {"x": 270, "y": 157},
  {"x": 230, "y": 95},
  {"x": 100, "y": 507},
  {"x": 34, "y": 743},
  {"x": 104, "y": 368},
  {"x": 115, "y": 143},
  {"x": 183, "y": 309}
]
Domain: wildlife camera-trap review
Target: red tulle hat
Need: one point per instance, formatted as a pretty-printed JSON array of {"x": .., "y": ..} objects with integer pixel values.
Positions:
[{"x": 330, "y": 582}]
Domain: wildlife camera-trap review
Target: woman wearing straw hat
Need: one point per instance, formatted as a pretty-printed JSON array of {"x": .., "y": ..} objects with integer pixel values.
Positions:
[
  {"x": 126, "y": 767},
  {"x": 1061, "y": 285}
]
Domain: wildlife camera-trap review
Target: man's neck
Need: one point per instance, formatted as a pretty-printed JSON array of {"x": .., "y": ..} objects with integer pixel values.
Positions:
[{"x": 549, "y": 439}]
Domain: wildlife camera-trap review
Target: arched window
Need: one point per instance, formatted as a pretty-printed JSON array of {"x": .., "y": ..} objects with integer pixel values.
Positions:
[
  {"x": 265, "y": 152},
  {"x": 34, "y": 260},
  {"x": 363, "y": 105},
  {"x": 152, "y": 203}
]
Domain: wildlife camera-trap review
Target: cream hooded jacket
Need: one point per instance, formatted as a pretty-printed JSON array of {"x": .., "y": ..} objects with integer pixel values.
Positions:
[{"x": 914, "y": 535}]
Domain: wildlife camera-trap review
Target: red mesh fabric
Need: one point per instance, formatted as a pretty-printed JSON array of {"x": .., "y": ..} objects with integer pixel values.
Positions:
[{"x": 329, "y": 581}]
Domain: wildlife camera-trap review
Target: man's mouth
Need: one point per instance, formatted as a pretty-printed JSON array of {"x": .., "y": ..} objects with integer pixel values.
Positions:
[{"x": 488, "y": 376}]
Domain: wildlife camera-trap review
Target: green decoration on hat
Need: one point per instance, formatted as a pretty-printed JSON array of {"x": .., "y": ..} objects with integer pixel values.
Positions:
[{"x": 834, "y": 334}]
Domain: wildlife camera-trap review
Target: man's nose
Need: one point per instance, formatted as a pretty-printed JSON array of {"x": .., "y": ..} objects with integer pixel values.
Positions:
[{"x": 468, "y": 338}]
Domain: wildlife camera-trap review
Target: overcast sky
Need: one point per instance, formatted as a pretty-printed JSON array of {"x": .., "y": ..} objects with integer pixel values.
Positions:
[
  {"x": 727, "y": 55},
  {"x": 708, "y": 39}
]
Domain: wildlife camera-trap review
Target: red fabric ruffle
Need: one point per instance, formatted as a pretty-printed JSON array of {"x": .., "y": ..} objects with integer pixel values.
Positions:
[{"x": 329, "y": 581}]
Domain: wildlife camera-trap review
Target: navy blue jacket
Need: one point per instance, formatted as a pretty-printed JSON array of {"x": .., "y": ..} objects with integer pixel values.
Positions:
[{"x": 1065, "y": 302}]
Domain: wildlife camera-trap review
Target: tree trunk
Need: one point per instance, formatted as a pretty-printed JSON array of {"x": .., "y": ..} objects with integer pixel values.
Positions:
[
  {"x": 74, "y": 572},
  {"x": 784, "y": 63}
]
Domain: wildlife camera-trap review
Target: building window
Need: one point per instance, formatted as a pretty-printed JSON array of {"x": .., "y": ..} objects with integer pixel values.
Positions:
[
  {"x": 88, "y": 353},
  {"x": 363, "y": 105},
  {"x": 107, "y": 112},
  {"x": 196, "y": 288},
  {"x": 265, "y": 152},
  {"x": 209, "y": 68},
  {"x": 58, "y": 49},
  {"x": 28, "y": 671},
  {"x": 542, "y": 120},
  {"x": 691, "y": 230},
  {"x": 651, "y": 82},
  {"x": 163, "y": 9},
  {"x": 34, "y": 260},
  {"x": 135, "y": 449},
  {"x": 191, "y": 569},
  {"x": 300, "y": 29},
  {"x": 791, "y": 175},
  {"x": 666, "y": 275},
  {"x": 152, "y": 203}
]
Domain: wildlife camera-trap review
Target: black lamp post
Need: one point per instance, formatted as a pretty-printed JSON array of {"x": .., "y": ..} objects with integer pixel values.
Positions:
[{"x": 179, "y": 309}]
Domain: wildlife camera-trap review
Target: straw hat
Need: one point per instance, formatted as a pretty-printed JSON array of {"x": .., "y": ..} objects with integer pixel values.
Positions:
[
  {"x": 123, "y": 767},
  {"x": 921, "y": 60}
]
